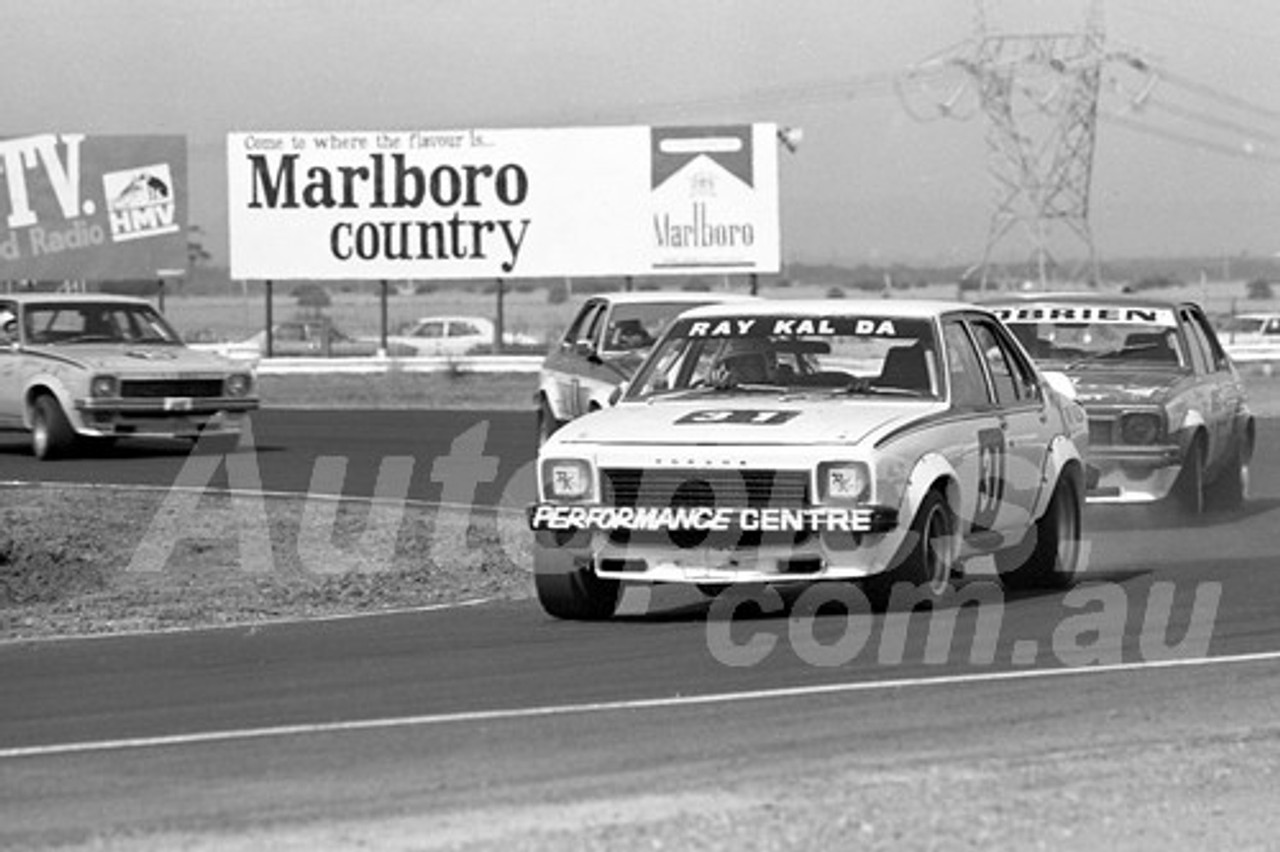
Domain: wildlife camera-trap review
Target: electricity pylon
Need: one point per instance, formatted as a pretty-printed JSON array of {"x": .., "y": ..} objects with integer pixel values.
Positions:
[{"x": 1039, "y": 93}]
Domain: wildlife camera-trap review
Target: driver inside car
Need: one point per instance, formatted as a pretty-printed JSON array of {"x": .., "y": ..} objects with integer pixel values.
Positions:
[{"x": 746, "y": 361}]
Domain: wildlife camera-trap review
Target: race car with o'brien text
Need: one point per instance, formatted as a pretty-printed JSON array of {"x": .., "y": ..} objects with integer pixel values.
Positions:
[{"x": 1168, "y": 414}]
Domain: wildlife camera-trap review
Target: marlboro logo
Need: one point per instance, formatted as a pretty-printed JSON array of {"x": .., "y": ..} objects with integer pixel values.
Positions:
[{"x": 673, "y": 148}]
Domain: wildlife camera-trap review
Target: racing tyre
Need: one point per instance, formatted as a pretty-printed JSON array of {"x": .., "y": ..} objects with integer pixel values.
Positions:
[
  {"x": 569, "y": 591},
  {"x": 1188, "y": 490},
  {"x": 51, "y": 434},
  {"x": 547, "y": 423},
  {"x": 216, "y": 445},
  {"x": 1050, "y": 555},
  {"x": 928, "y": 561},
  {"x": 1231, "y": 487}
]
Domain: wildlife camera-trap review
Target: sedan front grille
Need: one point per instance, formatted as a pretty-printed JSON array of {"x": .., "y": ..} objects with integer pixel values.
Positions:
[
  {"x": 160, "y": 388},
  {"x": 1101, "y": 431},
  {"x": 783, "y": 489}
]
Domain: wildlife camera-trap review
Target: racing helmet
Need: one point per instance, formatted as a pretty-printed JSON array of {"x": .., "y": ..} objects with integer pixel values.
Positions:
[{"x": 746, "y": 360}]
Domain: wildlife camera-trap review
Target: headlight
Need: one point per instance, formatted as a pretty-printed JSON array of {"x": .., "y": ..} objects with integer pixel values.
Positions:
[
  {"x": 1142, "y": 428},
  {"x": 104, "y": 386},
  {"x": 239, "y": 384},
  {"x": 566, "y": 479},
  {"x": 844, "y": 482}
]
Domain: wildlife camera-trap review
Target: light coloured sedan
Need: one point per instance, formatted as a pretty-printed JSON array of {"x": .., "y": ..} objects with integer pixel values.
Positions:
[
  {"x": 795, "y": 442},
  {"x": 79, "y": 369}
]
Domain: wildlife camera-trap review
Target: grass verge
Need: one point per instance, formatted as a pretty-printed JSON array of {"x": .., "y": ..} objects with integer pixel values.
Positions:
[{"x": 83, "y": 561}]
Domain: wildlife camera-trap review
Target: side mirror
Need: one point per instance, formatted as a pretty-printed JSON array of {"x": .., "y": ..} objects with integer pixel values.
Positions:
[
  {"x": 585, "y": 348},
  {"x": 617, "y": 393},
  {"x": 1060, "y": 382}
]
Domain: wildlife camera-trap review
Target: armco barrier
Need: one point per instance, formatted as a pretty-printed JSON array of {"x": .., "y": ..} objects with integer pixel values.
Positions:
[{"x": 428, "y": 364}]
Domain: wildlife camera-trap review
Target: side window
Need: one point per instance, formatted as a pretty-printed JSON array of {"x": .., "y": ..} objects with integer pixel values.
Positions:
[
  {"x": 1201, "y": 357},
  {"x": 1217, "y": 356},
  {"x": 580, "y": 328},
  {"x": 8, "y": 322},
  {"x": 463, "y": 329},
  {"x": 964, "y": 368},
  {"x": 1004, "y": 376}
]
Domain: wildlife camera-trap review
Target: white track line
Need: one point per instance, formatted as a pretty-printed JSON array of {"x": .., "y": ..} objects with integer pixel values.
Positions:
[{"x": 611, "y": 706}]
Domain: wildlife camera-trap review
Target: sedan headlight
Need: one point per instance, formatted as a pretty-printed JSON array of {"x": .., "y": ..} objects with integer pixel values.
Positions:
[
  {"x": 844, "y": 482},
  {"x": 1141, "y": 428},
  {"x": 566, "y": 479},
  {"x": 104, "y": 386},
  {"x": 239, "y": 384}
]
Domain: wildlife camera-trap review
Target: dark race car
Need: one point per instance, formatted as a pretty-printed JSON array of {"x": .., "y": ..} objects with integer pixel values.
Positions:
[{"x": 1168, "y": 414}]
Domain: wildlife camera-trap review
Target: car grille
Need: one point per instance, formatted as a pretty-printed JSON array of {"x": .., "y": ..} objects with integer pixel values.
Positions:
[
  {"x": 1101, "y": 431},
  {"x": 159, "y": 388},
  {"x": 660, "y": 488},
  {"x": 785, "y": 489}
]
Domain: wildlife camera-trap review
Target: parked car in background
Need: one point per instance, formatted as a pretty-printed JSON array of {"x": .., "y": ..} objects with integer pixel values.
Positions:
[
  {"x": 1251, "y": 337},
  {"x": 602, "y": 347},
  {"x": 309, "y": 338},
  {"x": 785, "y": 442},
  {"x": 1168, "y": 414},
  {"x": 454, "y": 335},
  {"x": 79, "y": 369}
]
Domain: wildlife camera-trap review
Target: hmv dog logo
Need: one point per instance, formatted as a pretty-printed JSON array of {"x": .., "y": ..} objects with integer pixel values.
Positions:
[{"x": 140, "y": 202}]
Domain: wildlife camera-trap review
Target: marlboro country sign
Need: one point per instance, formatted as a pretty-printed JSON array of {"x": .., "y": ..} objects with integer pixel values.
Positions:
[
  {"x": 77, "y": 206},
  {"x": 503, "y": 203}
]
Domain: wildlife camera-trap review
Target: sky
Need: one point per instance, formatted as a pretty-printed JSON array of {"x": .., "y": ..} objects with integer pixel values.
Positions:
[{"x": 881, "y": 175}]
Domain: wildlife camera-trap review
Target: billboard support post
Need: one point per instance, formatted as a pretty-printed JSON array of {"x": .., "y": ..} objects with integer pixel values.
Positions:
[
  {"x": 499, "y": 321},
  {"x": 270, "y": 320},
  {"x": 382, "y": 318}
]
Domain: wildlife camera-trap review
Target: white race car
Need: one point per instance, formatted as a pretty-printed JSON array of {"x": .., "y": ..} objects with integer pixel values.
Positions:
[{"x": 780, "y": 442}]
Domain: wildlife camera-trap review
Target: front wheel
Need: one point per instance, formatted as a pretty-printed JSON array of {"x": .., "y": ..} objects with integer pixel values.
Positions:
[
  {"x": 928, "y": 559},
  {"x": 571, "y": 591},
  {"x": 547, "y": 422},
  {"x": 51, "y": 433},
  {"x": 1188, "y": 490},
  {"x": 1049, "y": 556},
  {"x": 1231, "y": 487}
]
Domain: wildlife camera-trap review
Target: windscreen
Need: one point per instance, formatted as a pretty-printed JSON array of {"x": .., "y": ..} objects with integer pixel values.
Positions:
[
  {"x": 855, "y": 354},
  {"x": 66, "y": 323},
  {"x": 1070, "y": 336}
]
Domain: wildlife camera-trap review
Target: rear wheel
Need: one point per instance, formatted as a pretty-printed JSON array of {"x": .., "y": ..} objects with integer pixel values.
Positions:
[
  {"x": 51, "y": 433},
  {"x": 1050, "y": 554},
  {"x": 570, "y": 591}
]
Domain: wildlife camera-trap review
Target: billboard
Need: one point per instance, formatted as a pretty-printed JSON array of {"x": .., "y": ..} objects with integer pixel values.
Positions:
[
  {"x": 587, "y": 201},
  {"x": 103, "y": 208}
]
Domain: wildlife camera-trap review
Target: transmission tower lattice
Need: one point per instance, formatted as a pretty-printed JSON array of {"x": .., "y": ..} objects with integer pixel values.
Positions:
[{"x": 1040, "y": 96}]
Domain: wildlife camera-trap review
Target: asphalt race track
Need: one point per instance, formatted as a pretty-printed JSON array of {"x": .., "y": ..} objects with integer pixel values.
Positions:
[
  {"x": 496, "y": 706},
  {"x": 288, "y": 441}
]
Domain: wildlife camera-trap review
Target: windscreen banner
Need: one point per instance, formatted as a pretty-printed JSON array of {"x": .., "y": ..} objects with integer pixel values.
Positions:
[
  {"x": 77, "y": 206},
  {"x": 587, "y": 201}
]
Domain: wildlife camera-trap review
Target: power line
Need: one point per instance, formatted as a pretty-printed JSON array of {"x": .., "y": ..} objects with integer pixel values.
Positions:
[{"x": 1189, "y": 141}]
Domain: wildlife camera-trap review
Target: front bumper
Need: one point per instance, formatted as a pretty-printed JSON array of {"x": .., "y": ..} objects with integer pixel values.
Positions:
[
  {"x": 723, "y": 546},
  {"x": 1132, "y": 474},
  {"x": 177, "y": 417}
]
